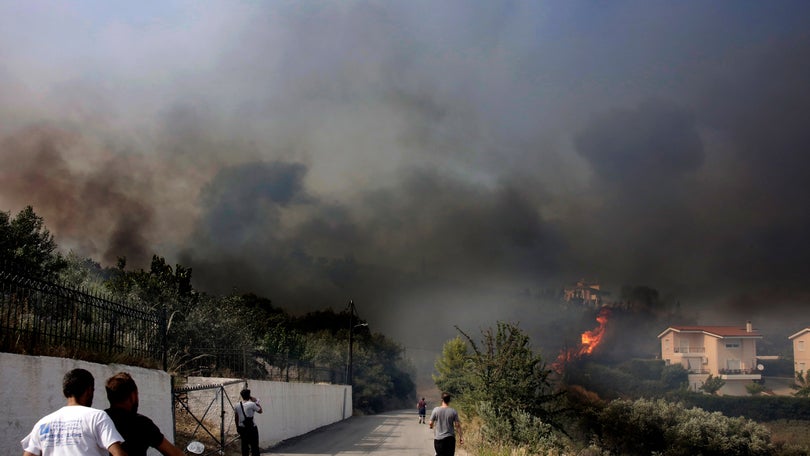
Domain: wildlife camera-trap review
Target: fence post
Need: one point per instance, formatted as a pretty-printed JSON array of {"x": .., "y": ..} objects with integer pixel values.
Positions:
[
  {"x": 113, "y": 329},
  {"x": 164, "y": 330},
  {"x": 174, "y": 410},
  {"x": 222, "y": 419}
]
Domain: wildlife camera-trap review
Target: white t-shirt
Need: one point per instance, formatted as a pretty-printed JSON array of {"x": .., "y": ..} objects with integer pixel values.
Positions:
[
  {"x": 250, "y": 410},
  {"x": 72, "y": 430}
]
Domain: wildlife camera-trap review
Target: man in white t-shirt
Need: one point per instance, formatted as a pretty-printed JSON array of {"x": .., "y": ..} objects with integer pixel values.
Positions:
[
  {"x": 245, "y": 426},
  {"x": 75, "y": 429}
]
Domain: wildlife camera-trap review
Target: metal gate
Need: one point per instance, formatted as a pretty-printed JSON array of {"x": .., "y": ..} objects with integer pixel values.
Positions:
[{"x": 203, "y": 413}]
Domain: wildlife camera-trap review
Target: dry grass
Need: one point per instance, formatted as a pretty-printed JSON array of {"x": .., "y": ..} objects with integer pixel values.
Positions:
[
  {"x": 187, "y": 429},
  {"x": 793, "y": 432},
  {"x": 93, "y": 356}
]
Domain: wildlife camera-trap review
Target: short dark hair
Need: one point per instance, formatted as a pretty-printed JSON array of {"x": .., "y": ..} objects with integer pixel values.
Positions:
[
  {"x": 446, "y": 398},
  {"x": 119, "y": 387},
  {"x": 245, "y": 393},
  {"x": 76, "y": 382}
]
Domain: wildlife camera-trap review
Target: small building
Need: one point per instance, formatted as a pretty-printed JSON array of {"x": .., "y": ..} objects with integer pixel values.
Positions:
[
  {"x": 728, "y": 352},
  {"x": 586, "y": 293},
  {"x": 801, "y": 351}
]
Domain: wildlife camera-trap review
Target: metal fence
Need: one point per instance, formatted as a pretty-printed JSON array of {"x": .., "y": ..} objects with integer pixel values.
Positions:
[
  {"x": 255, "y": 365},
  {"x": 203, "y": 413},
  {"x": 40, "y": 317}
]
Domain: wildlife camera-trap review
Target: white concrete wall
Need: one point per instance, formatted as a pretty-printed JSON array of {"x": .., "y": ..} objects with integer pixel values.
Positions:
[
  {"x": 31, "y": 387},
  {"x": 290, "y": 409}
]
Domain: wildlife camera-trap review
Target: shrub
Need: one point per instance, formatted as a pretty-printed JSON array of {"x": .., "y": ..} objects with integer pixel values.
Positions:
[
  {"x": 674, "y": 376},
  {"x": 754, "y": 388},
  {"x": 712, "y": 384},
  {"x": 647, "y": 427},
  {"x": 517, "y": 429}
]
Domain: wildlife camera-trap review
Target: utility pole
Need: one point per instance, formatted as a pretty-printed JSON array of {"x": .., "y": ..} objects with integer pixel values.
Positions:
[
  {"x": 350, "y": 367},
  {"x": 352, "y": 311}
]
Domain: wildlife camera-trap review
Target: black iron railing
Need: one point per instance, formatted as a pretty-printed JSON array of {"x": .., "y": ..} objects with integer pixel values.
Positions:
[
  {"x": 41, "y": 317},
  {"x": 253, "y": 364}
]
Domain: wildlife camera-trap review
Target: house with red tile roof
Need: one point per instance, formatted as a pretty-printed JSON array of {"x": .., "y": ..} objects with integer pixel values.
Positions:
[{"x": 728, "y": 352}]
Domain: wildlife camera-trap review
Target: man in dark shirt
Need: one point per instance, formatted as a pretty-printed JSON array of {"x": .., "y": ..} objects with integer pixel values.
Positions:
[{"x": 138, "y": 431}]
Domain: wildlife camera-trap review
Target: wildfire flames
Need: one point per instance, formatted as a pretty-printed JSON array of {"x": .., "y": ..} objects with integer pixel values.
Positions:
[{"x": 589, "y": 341}]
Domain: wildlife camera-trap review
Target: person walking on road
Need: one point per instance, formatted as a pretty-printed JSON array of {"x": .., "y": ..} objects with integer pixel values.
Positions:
[
  {"x": 446, "y": 424},
  {"x": 421, "y": 407},
  {"x": 75, "y": 429},
  {"x": 139, "y": 432},
  {"x": 243, "y": 414}
]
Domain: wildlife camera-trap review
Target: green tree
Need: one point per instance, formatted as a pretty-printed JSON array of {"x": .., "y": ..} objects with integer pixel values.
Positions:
[
  {"x": 81, "y": 273},
  {"x": 802, "y": 384},
  {"x": 283, "y": 342},
  {"x": 27, "y": 243},
  {"x": 161, "y": 289},
  {"x": 754, "y": 388},
  {"x": 381, "y": 374},
  {"x": 452, "y": 367},
  {"x": 712, "y": 384},
  {"x": 507, "y": 374},
  {"x": 674, "y": 376}
]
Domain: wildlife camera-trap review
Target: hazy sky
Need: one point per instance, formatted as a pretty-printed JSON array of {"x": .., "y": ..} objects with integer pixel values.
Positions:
[{"x": 423, "y": 158}]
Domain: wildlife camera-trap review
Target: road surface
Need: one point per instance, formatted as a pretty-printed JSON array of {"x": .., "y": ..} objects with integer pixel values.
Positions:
[{"x": 387, "y": 434}]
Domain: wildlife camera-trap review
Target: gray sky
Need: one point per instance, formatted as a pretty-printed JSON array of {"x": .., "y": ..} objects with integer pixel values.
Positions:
[{"x": 429, "y": 160}]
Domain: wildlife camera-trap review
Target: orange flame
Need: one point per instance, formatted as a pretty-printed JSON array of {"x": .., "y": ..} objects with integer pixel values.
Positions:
[{"x": 589, "y": 341}]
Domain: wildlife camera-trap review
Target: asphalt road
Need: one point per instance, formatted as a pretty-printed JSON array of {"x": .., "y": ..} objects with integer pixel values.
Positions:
[{"x": 388, "y": 434}]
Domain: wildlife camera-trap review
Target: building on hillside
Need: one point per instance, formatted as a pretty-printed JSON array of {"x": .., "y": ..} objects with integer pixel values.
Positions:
[
  {"x": 728, "y": 352},
  {"x": 585, "y": 293},
  {"x": 801, "y": 351}
]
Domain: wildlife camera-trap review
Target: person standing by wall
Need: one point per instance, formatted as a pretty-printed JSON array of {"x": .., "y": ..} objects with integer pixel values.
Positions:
[
  {"x": 138, "y": 431},
  {"x": 75, "y": 429},
  {"x": 444, "y": 420},
  {"x": 243, "y": 414}
]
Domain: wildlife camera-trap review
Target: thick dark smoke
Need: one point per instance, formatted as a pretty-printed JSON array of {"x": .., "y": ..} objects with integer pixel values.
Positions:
[
  {"x": 101, "y": 208},
  {"x": 439, "y": 164}
]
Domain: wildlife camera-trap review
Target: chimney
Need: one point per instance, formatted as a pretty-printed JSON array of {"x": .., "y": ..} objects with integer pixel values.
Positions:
[{"x": 748, "y": 327}]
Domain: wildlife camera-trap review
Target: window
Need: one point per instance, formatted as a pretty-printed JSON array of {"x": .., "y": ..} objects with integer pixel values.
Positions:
[
  {"x": 732, "y": 345},
  {"x": 801, "y": 345}
]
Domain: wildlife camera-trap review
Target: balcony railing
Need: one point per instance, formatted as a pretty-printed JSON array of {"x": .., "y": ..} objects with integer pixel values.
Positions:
[
  {"x": 690, "y": 349},
  {"x": 738, "y": 371}
]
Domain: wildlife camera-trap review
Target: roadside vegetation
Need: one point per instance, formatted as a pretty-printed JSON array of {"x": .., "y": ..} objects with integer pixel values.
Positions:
[
  {"x": 512, "y": 403},
  {"x": 235, "y": 323}
]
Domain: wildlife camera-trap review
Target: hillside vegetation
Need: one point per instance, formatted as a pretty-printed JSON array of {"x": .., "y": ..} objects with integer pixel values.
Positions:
[{"x": 203, "y": 326}]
